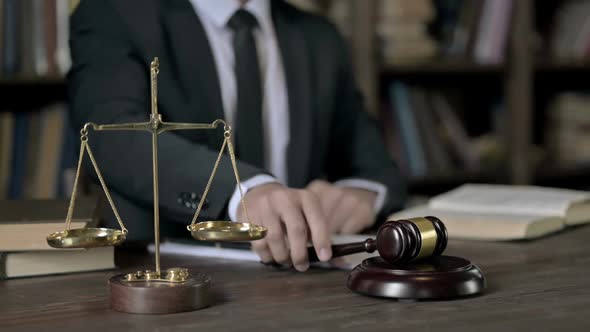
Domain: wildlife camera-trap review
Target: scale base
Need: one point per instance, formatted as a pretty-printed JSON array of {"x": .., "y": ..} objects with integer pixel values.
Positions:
[
  {"x": 159, "y": 296},
  {"x": 442, "y": 277}
]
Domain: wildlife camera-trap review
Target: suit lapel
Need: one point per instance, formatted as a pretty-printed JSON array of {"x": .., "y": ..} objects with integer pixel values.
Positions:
[
  {"x": 194, "y": 60},
  {"x": 294, "y": 53}
]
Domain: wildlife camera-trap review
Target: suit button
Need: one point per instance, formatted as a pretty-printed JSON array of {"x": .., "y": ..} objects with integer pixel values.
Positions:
[{"x": 191, "y": 200}]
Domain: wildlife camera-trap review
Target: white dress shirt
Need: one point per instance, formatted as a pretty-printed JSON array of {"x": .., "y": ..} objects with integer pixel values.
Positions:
[{"x": 214, "y": 15}]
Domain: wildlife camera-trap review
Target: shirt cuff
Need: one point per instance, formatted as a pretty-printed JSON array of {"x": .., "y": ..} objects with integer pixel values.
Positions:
[
  {"x": 251, "y": 183},
  {"x": 373, "y": 186}
]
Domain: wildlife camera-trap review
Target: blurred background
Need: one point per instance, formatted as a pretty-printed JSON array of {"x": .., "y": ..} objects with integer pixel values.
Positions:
[{"x": 491, "y": 91}]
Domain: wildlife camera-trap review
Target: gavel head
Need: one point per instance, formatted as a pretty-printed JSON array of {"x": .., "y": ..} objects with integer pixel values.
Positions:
[{"x": 403, "y": 241}]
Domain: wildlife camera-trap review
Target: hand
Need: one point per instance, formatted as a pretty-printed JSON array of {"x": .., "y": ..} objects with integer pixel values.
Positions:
[
  {"x": 294, "y": 212},
  {"x": 347, "y": 210}
]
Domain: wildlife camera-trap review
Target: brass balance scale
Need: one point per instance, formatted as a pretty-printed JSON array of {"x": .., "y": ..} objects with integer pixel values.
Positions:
[{"x": 156, "y": 291}]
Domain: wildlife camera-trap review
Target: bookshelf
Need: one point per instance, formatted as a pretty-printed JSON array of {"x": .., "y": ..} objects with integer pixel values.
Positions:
[
  {"x": 521, "y": 79},
  {"x": 526, "y": 81},
  {"x": 31, "y": 81},
  {"x": 31, "y": 93},
  {"x": 443, "y": 67}
]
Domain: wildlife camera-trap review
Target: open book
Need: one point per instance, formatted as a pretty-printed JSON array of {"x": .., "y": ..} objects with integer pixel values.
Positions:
[{"x": 504, "y": 212}]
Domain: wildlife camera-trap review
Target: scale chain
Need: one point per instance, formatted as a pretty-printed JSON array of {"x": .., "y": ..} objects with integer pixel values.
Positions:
[
  {"x": 232, "y": 156},
  {"x": 104, "y": 188},
  {"x": 84, "y": 146},
  {"x": 83, "y": 140},
  {"x": 226, "y": 142}
]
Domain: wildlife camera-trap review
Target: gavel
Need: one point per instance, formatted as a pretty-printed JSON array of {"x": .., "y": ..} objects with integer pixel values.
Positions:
[{"x": 399, "y": 241}]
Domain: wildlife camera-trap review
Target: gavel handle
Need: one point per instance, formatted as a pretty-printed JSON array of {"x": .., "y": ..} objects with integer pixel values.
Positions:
[{"x": 345, "y": 249}]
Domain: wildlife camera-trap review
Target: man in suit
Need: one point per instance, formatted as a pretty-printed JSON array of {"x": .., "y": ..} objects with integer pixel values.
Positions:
[{"x": 310, "y": 157}]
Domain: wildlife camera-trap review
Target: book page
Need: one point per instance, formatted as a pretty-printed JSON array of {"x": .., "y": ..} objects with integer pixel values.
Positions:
[
  {"x": 506, "y": 199},
  {"x": 486, "y": 226}
]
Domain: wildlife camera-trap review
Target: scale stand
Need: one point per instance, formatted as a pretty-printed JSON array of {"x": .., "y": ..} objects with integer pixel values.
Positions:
[{"x": 156, "y": 291}]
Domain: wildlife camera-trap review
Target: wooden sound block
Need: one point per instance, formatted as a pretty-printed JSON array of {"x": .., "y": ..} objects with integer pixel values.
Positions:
[
  {"x": 159, "y": 297},
  {"x": 441, "y": 277}
]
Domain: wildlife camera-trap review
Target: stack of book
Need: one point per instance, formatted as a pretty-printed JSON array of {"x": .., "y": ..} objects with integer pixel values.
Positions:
[
  {"x": 568, "y": 122},
  {"x": 24, "y": 225},
  {"x": 402, "y": 28}
]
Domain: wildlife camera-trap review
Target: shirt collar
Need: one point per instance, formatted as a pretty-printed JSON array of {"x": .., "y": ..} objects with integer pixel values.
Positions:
[{"x": 220, "y": 11}]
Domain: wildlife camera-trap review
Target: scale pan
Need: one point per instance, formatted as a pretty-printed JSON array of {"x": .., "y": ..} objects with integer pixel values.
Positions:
[
  {"x": 227, "y": 231},
  {"x": 86, "y": 238}
]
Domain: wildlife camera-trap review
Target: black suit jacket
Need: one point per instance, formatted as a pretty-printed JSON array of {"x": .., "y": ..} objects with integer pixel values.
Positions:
[{"x": 113, "y": 42}]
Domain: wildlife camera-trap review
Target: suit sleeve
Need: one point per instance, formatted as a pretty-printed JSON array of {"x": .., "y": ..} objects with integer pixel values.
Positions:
[
  {"x": 356, "y": 146},
  {"x": 109, "y": 83}
]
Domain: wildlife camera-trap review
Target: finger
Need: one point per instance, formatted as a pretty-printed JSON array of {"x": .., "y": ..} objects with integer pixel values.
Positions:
[
  {"x": 296, "y": 226},
  {"x": 317, "y": 186},
  {"x": 362, "y": 218},
  {"x": 275, "y": 237},
  {"x": 332, "y": 201},
  {"x": 329, "y": 195},
  {"x": 341, "y": 213},
  {"x": 261, "y": 248},
  {"x": 320, "y": 236},
  {"x": 321, "y": 188}
]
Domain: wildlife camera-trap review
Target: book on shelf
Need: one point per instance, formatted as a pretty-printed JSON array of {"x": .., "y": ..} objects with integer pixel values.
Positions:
[
  {"x": 493, "y": 32},
  {"x": 425, "y": 136},
  {"x": 504, "y": 212},
  {"x": 392, "y": 138},
  {"x": 454, "y": 133},
  {"x": 38, "y": 263},
  {"x": 567, "y": 130},
  {"x": 437, "y": 156},
  {"x": 408, "y": 128},
  {"x": 26, "y": 21},
  {"x": 38, "y": 153},
  {"x": 25, "y": 224},
  {"x": 11, "y": 37},
  {"x": 6, "y": 141},
  {"x": 19, "y": 152},
  {"x": 476, "y": 29},
  {"x": 456, "y": 26},
  {"x": 31, "y": 151},
  {"x": 402, "y": 28},
  {"x": 34, "y": 37},
  {"x": 569, "y": 36},
  {"x": 52, "y": 135}
]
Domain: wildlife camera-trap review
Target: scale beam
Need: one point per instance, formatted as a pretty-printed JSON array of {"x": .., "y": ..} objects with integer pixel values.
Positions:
[{"x": 161, "y": 126}]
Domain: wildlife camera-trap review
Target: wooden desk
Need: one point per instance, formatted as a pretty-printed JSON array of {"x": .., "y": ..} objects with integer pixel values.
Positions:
[{"x": 532, "y": 286}]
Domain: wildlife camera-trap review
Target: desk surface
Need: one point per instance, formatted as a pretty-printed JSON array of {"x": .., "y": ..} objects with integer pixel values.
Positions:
[{"x": 539, "y": 285}]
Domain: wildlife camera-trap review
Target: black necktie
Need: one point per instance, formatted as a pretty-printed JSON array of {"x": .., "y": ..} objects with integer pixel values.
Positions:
[{"x": 248, "y": 123}]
